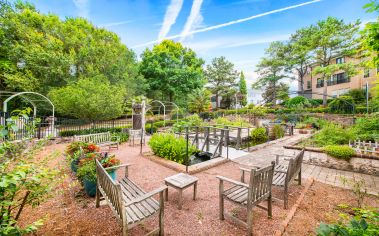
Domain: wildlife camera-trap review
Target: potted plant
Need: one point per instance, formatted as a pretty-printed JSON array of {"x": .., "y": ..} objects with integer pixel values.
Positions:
[
  {"x": 110, "y": 162},
  {"x": 87, "y": 174}
]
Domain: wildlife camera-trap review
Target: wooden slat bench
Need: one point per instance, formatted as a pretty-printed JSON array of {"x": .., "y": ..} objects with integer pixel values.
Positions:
[
  {"x": 101, "y": 139},
  {"x": 130, "y": 204},
  {"x": 248, "y": 195},
  {"x": 284, "y": 174}
]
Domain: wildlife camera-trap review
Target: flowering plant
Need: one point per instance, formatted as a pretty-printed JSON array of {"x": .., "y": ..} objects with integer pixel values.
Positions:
[
  {"x": 91, "y": 148},
  {"x": 110, "y": 161}
]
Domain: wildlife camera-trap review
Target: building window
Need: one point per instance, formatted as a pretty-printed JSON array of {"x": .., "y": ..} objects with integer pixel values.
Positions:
[
  {"x": 366, "y": 73},
  {"x": 340, "y": 60},
  {"x": 309, "y": 85},
  {"x": 320, "y": 83},
  {"x": 338, "y": 79}
]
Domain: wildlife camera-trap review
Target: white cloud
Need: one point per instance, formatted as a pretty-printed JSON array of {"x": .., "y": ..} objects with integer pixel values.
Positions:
[
  {"x": 172, "y": 13},
  {"x": 116, "y": 23},
  {"x": 232, "y": 42},
  {"x": 230, "y": 22},
  {"x": 83, "y": 7},
  {"x": 194, "y": 19}
]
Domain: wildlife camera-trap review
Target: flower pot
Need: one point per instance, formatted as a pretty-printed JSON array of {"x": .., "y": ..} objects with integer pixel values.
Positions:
[
  {"x": 112, "y": 173},
  {"x": 74, "y": 165},
  {"x": 90, "y": 187}
]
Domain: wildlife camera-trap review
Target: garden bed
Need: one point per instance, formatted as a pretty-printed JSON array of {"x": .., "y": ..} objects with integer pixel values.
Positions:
[
  {"x": 192, "y": 169},
  {"x": 323, "y": 203}
]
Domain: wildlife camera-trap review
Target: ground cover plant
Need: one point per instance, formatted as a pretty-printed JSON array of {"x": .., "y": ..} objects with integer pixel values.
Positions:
[
  {"x": 258, "y": 136},
  {"x": 340, "y": 151},
  {"x": 170, "y": 147}
]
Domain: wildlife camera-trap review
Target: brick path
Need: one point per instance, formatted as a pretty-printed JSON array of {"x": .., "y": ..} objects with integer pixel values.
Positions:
[{"x": 263, "y": 156}]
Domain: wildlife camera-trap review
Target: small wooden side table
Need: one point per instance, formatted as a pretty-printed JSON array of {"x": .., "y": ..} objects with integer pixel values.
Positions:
[{"x": 180, "y": 182}]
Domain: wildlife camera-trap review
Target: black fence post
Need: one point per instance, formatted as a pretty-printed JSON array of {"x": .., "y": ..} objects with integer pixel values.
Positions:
[
  {"x": 187, "y": 162},
  {"x": 39, "y": 130}
]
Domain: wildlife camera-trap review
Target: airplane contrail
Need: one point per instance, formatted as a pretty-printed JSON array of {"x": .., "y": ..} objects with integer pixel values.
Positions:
[{"x": 228, "y": 23}]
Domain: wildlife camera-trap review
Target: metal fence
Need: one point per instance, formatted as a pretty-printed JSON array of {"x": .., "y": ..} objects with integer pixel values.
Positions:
[{"x": 43, "y": 127}]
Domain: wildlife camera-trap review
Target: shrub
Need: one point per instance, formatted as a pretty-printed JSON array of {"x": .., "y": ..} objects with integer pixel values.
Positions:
[
  {"x": 363, "y": 222},
  {"x": 87, "y": 171},
  {"x": 258, "y": 136},
  {"x": 297, "y": 101},
  {"x": 341, "y": 152},
  {"x": 193, "y": 120},
  {"x": 332, "y": 134},
  {"x": 278, "y": 131},
  {"x": 367, "y": 128},
  {"x": 342, "y": 105},
  {"x": 169, "y": 147}
]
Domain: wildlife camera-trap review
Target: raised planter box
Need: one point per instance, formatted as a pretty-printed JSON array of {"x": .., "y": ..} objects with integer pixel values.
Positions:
[{"x": 182, "y": 168}]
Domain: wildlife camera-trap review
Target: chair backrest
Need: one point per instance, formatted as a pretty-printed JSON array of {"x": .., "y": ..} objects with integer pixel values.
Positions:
[
  {"x": 260, "y": 183},
  {"x": 111, "y": 190},
  {"x": 294, "y": 165},
  {"x": 94, "y": 138}
]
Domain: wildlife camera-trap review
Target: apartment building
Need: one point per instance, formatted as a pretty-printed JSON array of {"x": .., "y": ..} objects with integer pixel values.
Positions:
[{"x": 340, "y": 82}]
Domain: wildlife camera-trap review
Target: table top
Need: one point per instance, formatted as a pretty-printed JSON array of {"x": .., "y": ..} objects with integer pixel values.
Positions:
[{"x": 181, "y": 180}]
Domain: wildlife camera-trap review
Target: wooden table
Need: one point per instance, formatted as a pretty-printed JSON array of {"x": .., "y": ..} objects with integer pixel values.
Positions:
[{"x": 180, "y": 182}]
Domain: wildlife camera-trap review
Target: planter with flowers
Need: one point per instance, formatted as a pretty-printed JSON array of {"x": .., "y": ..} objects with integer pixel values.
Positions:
[
  {"x": 87, "y": 170},
  {"x": 80, "y": 150}
]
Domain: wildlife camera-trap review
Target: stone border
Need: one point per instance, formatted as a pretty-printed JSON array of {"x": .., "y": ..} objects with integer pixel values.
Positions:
[
  {"x": 182, "y": 168},
  {"x": 320, "y": 150},
  {"x": 291, "y": 214}
]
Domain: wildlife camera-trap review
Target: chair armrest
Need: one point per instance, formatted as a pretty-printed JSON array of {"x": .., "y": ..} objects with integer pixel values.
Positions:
[
  {"x": 116, "y": 167},
  {"x": 222, "y": 178},
  {"x": 147, "y": 195}
]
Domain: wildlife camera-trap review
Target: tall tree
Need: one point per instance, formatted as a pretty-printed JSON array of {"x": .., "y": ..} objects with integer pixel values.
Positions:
[
  {"x": 329, "y": 39},
  {"x": 297, "y": 56},
  {"x": 271, "y": 69},
  {"x": 242, "y": 90},
  {"x": 274, "y": 92},
  {"x": 41, "y": 52},
  {"x": 172, "y": 70},
  {"x": 221, "y": 77}
]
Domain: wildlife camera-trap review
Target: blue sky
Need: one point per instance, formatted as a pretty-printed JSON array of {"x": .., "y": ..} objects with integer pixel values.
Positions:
[{"x": 140, "y": 23}]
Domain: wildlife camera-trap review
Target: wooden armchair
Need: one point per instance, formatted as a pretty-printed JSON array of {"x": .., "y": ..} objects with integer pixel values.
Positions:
[
  {"x": 248, "y": 195},
  {"x": 284, "y": 173}
]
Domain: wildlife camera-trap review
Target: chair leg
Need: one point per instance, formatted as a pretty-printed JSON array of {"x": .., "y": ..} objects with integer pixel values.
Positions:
[
  {"x": 161, "y": 214},
  {"x": 250, "y": 222},
  {"x": 285, "y": 197},
  {"x": 221, "y": 200},
  {"x": 97, "y": 196},
  {"x": 299, "y": 180},
  {"x": 269, "y": 206}
]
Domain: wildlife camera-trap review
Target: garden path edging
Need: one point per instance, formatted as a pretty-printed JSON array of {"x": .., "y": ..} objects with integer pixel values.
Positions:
[{"x": 285, "y": 223}]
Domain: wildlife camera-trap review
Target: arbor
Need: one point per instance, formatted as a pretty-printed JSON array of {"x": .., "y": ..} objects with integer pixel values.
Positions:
[
  {"x": 221, "y": 77},
  {"x": 330, "y": 38},
  {"x": 243, "y": 90},
  {"x": 270, "y": 71},
  {"x": 89, "y": 99},
  {"x": 171, "y": 70},
  {"x": 199, "y": 101}
]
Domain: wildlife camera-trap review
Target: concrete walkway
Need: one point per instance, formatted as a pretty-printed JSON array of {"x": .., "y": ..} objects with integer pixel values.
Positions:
[{"x": 267, "y": 153}]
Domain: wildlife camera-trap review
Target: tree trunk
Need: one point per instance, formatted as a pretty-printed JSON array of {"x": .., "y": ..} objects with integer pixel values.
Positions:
[
  {"x": 216, "y": 100},
  {"x": 325, "y": 92}
]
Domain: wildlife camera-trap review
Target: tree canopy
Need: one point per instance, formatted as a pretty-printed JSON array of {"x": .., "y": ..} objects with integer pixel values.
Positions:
[
  {"x": 171, "y": 70},
  {"x": 89, "y": 99},
  {"x": 221, "y": 76},
  {"x": 243, "y": 89}
]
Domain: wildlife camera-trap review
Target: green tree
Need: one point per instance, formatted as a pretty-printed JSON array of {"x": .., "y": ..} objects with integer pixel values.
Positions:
[
  {"x": 199, "y": 101},
  {"x": 243, "y": 90},
  {"x": 40, "y": 52},
  {"x": 297, "y": 56},
  {"x": 221, "y": 77},
  {"x": 275, "y": 92},
  {"x": 270, "y": 71},
  {"x": 172, "y": 70},
  {"x": 89, "y": 99},
  {"x": 330, "y": 38}
]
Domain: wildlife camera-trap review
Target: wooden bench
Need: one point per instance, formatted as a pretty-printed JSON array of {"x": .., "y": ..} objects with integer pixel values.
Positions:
[
  {"x": 101, "y": 139},
  {"x": 248, "y": 195},
  {"x": 284, "y": 174},
  {"x": 130, "y": 204}
]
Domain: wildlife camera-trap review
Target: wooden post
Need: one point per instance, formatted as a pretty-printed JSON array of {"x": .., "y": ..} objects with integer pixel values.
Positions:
[
  {"x": 187, "y": 162},
  {"x": 238, "y": 138},
  {"x": 221, "y": 200},
  {"x": 207, "y": 129},
  {"x": 161, "y": 214}
]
